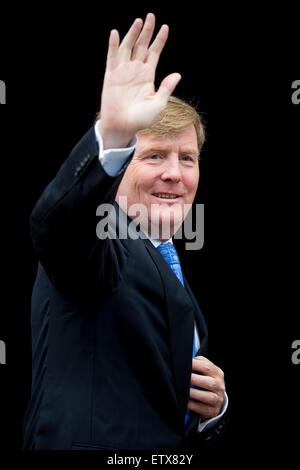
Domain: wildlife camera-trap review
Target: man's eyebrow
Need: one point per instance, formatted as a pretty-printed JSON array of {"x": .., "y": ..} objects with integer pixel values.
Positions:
[
  {"x": 190, "y": 151},
  {"x": 160, "y": 149},
  {"x": 153, "y": 149}
]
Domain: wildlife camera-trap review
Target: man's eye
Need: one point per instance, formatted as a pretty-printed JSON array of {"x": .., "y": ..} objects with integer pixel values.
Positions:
[
  {"x": 186, "y": 158},
  {"x": 154, "y": 157}
]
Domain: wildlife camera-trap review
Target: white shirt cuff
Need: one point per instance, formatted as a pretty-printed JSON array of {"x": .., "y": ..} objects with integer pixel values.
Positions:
[
  {"x": 209, "y": 423},
  {"x": 113, "y": 160}
]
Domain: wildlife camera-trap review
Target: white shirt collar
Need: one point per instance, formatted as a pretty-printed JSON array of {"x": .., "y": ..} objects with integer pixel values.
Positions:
[{"x": 156, "y": 243}]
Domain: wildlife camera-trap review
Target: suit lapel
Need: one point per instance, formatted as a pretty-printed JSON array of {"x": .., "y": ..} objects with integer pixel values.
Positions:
[
  {"x": 181, "y": 327},
  {"x": 202, "y": 330},
  {"x": 200, "y": 322}
]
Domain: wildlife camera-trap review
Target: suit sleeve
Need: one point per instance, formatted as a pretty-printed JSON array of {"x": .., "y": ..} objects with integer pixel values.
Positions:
[
  {"x": 63, "y": 222},
  {"x": 197, "y": 440}
]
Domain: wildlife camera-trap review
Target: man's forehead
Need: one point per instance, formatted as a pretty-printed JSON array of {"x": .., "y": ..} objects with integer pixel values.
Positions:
[{"x": 186, "y": 140}]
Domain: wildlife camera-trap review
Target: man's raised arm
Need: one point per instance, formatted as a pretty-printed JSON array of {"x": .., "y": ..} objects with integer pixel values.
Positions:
[{"x": 63, "y": 222}]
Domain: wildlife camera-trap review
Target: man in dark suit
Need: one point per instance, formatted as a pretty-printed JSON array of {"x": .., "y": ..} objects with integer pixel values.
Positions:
[{"x": 118, "y": 338}]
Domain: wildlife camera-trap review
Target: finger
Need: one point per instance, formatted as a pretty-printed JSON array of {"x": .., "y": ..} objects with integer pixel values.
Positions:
[
  {"x": 205, "y": 411},
  {"x": 130, "y": 39},
  {"x": 140, "y": 50},
  {"x": 208, "y": 398},
  {"x": 204, "y": 366},
  {"x": 206, "y": 383},
  {"x": 157, "y": 46},
  {"x": 113, "y": 45},
  {"x": 167, "y": 86}
]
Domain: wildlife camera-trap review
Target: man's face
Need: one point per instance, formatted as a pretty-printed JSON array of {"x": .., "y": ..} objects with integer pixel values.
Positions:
[{"x": 163, "y": 176}]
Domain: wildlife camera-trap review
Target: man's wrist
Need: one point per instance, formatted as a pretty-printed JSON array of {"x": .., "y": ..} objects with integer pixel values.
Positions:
[
  {"x": 113, "y": 159},
  {"x": 209, "y": 423},
  {"x": 112, "y": 138}
]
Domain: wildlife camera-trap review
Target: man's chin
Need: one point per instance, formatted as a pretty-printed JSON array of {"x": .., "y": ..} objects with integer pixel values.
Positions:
[{"x": 163, "y": 228}]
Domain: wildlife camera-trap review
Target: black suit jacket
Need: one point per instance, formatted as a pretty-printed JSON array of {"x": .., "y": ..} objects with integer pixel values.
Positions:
[{"x": 112, "y": 327}]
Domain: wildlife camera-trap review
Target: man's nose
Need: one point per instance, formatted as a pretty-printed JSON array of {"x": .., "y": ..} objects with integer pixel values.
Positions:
[{"x": 171, "y": 171}]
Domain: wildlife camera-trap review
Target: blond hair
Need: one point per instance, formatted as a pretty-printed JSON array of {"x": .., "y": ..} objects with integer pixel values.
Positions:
[{"x": 174, "y": 118}]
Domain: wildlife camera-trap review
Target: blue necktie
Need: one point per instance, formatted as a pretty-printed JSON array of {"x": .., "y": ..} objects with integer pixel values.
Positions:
[{"x": 169, "y": 253}]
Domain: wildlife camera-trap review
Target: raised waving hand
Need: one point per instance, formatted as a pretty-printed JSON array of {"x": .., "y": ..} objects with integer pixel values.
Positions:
[{"x": 129, "y": 100}]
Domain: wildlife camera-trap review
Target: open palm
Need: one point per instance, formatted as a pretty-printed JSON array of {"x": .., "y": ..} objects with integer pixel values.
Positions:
[{"x": 129, "y": 101}]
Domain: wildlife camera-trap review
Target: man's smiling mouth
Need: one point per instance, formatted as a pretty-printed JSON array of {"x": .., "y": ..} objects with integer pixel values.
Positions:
[{"x": 166, "y": 195}]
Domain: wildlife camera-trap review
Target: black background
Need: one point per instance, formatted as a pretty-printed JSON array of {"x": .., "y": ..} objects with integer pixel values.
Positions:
[{"x": 232, "y": 60}]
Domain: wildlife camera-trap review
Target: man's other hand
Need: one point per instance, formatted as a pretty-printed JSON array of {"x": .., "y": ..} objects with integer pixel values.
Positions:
[{"x": 207, "y": 392}]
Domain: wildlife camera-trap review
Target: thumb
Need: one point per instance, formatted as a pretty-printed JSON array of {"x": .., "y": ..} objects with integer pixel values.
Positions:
[{"x": 167, "y": 86}]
